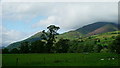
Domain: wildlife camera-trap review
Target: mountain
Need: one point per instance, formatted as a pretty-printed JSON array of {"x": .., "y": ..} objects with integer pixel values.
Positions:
[
  {"x": 33, "y": 38},
  {"x": 104, "y": 29},
  {"x": 88, "y": 30},
  {"x": 94, "y": 26}
]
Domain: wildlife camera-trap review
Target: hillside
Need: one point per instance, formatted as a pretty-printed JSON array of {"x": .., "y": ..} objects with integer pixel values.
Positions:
[
  {"x": 105, "y": 38},
  {"x": 70, "y": 35},
  {"x": 88, "y": 30},
  {"x": 92, "y": 27},
  {"x": 104, "y": 29},
  {"x": 30, "y": 39}
]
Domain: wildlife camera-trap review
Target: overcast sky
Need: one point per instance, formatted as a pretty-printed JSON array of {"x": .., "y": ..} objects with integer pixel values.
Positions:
[{"x": 23, "y": 19}]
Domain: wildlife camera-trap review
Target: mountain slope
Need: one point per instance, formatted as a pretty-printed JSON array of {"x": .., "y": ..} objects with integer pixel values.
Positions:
[
  {"x": 104, "y": 38},
  {"x": 70, "y": 35},
  {"x": 104, "y": 29},
  {"x": 30, "y": 39},
  {"x": 92, "y": 27}
]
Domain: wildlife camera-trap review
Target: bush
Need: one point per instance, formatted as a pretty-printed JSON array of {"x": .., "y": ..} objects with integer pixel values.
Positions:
[{"x": 104, "y": 50}]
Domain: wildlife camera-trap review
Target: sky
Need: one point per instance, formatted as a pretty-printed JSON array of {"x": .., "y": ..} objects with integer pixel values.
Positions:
[{"x": 21, "y": 20}]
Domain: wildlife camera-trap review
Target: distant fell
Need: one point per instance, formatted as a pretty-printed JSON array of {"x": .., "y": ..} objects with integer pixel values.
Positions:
[{"x": 92, "y": 27}]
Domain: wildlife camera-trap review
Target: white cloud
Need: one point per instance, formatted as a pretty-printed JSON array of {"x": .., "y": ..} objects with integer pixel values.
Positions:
[
  {"x": 45, "y": 22},
  {"x": 67, "y": 13},
  {"x": 74, "y": 15},
  {"x": 27, "y": 11},
  {"x": 10, "y": 36}
]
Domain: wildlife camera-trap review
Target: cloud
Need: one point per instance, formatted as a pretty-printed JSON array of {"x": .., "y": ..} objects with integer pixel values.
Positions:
[
  {"x": 10, "y": 36},
  {"x": 63, "y": 11},
  {"x": 75, "y": 15},
  {"x": 45, "y": 22}
]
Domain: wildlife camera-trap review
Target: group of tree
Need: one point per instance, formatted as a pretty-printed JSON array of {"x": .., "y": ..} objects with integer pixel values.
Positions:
[
  {"x": 38, "y": 46},
  {"x": 115, "y": 45}
]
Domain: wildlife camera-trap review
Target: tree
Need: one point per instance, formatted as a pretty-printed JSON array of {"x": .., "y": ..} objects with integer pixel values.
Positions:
[
  {"x": 80, "y": 48},
  {"x": 37, "y": 47},
  {"x": 104, "y": 50},
  {"x": 50, "y": 36},
  {"x": 5, "y": 51},
  {"x": 14, "y": 50},
  {"x": 24, "y": 48},
  {"x": 73, "y": 46},
  {"x": 115, "y": 45},
  {"x": 62, "y": 46},
  {"x": 97, "y": 48}
]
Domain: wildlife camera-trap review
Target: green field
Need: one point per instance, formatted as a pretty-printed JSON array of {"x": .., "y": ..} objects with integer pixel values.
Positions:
[{"x": 61, "y": 59}]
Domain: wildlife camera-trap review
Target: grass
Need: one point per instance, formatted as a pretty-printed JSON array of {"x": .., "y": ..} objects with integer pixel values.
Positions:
[{"x": 62, "y": 59}]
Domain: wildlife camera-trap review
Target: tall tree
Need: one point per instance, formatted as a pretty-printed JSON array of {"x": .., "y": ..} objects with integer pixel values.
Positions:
[{"x": 52, "y": 31}]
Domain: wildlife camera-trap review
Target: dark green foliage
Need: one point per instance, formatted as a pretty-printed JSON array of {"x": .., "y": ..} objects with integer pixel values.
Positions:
[
  {"x": 97, "y": 48},
  {"x": 113, "y": 37},
  {"x": 49, "y": 46},
  {"x": 73, "y": 46},
  {"x": 80, "y": 49},
  {"x": 62, "y": 46},
  {"x": 88, "y": 46},
  {"x": 5, "y": 51},
  {"x": 115, "y": 46},
  {"x": 37, "y": 47},
  {"x": 24, "y": 48},
  {"x": 15, "y": 50}
]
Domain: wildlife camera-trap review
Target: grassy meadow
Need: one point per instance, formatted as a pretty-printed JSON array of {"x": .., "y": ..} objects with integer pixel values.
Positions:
[{"x": 61, "y": 59}]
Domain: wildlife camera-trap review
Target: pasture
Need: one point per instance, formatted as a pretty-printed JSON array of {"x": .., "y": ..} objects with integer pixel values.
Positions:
[{"x": 61, "y": 59}]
